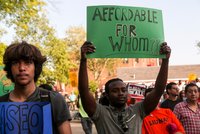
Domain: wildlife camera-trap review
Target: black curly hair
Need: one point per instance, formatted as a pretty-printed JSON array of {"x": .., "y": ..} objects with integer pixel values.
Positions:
[
  {"x": 23, "y": 51},
  {"x": 108, "y": 84}
]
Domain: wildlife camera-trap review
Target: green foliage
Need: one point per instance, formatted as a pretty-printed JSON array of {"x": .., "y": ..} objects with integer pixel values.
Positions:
[
  {"x": 60, "y": 59},
  {"x": 93, "y": 85},
  {"x": 75, "y": 36},
  {"x": 2, "y": 32},
  {"x": 76, "y": 92},
  {"x": 46, "y": 76},
  {"x": 31, "y": 24},
  {"x": 19, "y": 12},
  {"x": 2, "y": 50},
  {"x": 98, "y": 66}
]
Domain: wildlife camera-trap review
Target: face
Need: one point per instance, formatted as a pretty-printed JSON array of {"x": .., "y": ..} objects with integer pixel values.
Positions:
[
  {"x": 182, "y": 93},
  {"x": 174, "y": 90},
  {"x": 23, "y": 72},
  {"x": 192, "y": 93},
  {"x": 117, "y": 94}
]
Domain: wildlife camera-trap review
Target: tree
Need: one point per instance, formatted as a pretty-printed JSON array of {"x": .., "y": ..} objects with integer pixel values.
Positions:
[
  {"x": 75, "y": 37},
  {"x": 2, "y": 50},
  {"x": 19, "y": 12},
  {"x": 93, "y": 85}
]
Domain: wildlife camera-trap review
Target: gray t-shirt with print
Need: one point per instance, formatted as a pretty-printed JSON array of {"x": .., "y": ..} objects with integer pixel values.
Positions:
[{"x": 108, "y": 120}]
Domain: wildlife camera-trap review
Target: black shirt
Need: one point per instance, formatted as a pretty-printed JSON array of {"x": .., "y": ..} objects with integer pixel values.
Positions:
[{"x": 169, "y": 104}]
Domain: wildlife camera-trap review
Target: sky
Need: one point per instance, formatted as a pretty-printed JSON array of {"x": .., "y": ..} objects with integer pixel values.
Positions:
[{"x": 180, "y": 17}]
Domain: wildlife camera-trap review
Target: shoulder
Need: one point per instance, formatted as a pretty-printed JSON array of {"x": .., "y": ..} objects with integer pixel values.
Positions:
[
  {"x": 165, "y": 102},
  {"x": 166, "y": 110},
  {"x": 101, "y": 110},
  {"x": 138, "y": 108},
  {"x": 180, "y": 105},
  {"x": 51, "y": 93},
  {"x": 56, "y": 95}
]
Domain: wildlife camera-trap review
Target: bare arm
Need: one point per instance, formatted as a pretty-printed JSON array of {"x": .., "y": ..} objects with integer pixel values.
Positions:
[
  {"x": 87, "y": 98},
  {"x": 65, "y": 128},
  {"x": 152, "y": 100}
]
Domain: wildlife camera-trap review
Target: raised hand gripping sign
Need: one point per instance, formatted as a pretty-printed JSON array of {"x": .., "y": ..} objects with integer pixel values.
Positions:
[
  {"x": 25, "y": 118},
  {"x": 125, "y": 32}
]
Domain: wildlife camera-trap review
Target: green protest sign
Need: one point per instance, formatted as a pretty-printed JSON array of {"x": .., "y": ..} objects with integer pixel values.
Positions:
[
  {"x": 125, "y": 32},
  {"x": 5, "y": 84}
]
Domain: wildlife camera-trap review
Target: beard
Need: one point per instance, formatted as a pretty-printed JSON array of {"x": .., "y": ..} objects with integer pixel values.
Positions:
[{"x": 119, "y": 105}]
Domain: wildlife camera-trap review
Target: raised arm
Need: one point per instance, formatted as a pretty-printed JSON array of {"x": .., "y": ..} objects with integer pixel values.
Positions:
[
  {"x": 152, "y": 100},
  {"x": 87, "y": 98}
]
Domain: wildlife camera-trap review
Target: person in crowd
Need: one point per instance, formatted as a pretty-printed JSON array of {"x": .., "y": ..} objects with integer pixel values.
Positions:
[
  {"x": 173, "y": 91},
  {"x": 181, "y": 95},
  {"x": 197, "y": 82},
  {"x": 86, "y": 122},
  {"x": 23, "y": 64},
  {"x": 180, "y": 85},
  {"x": 184, "y": 84},
  {"x": 161, "y": 121},
  {"x": 188, "y": 112},
  {"x": 117, "y": 118},
  {"x": 73, "y": 99}
]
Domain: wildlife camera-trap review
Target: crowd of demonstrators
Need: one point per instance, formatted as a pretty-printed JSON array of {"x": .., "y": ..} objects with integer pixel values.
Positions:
[
  {"x": 188, "y": 112},
  {"x": 173, "y": 92},
  {"x": 180, "y": 85},
  {"x": 117, "y": 118},
  {"x": 23, "y": 65},
  {"x": 181, "y": 95},
  {"x": 161, "y": 121}
]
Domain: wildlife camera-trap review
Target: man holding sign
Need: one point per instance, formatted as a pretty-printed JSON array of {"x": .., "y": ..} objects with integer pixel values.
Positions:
[
  {"x": 23, "y": 64},
  {"x": 117, "y": 118}
]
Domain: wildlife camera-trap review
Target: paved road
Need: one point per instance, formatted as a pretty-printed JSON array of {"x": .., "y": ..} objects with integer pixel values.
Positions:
[{"x": 77, "y": 128}]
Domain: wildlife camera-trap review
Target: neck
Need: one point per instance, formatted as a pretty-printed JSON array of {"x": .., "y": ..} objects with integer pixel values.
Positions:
[
  {"x": 172, "y": 97},
  {"x": 190, "y": 102},
  {"x": 119, "y": 108},
  {"x": 21, "y": 93}
]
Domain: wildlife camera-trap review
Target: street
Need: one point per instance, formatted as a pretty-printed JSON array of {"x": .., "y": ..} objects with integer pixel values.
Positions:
[{"x": 77, "y": 128}]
